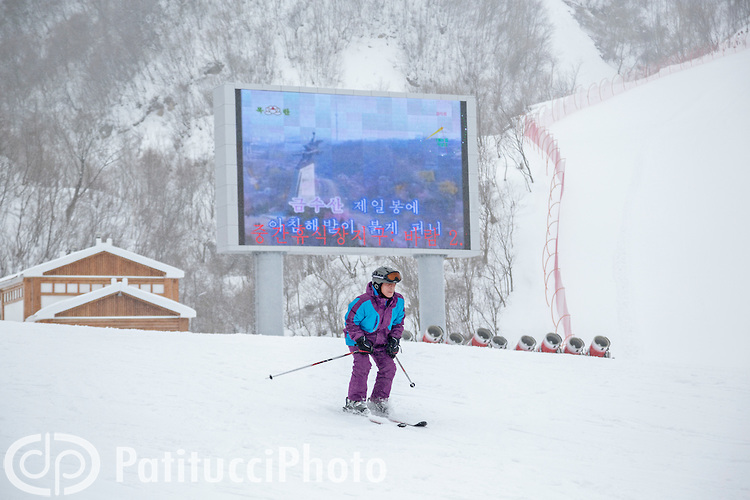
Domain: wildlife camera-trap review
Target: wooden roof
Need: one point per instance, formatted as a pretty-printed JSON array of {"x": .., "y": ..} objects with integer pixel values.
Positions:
[
  {"x": 134, "y": 299},
  {"x": 104, "y": 259}
]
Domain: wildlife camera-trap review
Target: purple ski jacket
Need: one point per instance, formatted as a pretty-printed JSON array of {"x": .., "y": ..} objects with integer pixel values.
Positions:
[{"x": 375, "y": 316}]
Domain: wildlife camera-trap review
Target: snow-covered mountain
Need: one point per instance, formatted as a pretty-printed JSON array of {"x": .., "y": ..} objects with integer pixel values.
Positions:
[
  {"x": 122, "y": 119},
  {"x": 652, "y": 226}
]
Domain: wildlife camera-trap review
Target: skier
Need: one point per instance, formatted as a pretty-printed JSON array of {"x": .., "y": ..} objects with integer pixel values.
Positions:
[{"x": 374, "y": 323}]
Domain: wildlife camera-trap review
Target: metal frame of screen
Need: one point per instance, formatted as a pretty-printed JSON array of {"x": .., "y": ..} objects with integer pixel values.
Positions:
[{"x": 312, "y": 190}]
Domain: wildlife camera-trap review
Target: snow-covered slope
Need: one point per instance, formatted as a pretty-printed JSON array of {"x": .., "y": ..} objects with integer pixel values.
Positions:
[
  {"x": 652, "y": 227},
  {"x": 652, "y": 219},
  {"x": 575, "y": 51},
  {"x": 178, "y": 415},
  {"x": 502, "y": 424},
  {"x": 371, "y": 64}
]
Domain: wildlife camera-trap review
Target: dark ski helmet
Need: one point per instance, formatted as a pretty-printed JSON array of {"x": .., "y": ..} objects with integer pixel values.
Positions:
[{"x": 384, "y": 274}]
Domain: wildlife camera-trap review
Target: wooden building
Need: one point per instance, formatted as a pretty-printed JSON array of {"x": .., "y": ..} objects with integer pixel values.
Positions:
[{"x": 99, "y": 286}]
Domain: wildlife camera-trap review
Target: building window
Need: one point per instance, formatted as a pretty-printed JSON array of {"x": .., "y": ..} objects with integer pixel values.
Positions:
[
  {"x": 72, "y": 288},
  {"x": 96, "y": 286},
  {"x": 59, "y": 287},
  {"x": 13, "y": 295},
  {"x": 146, "y": 288},
  {"x": 158, "y": 288},
  {"x": 84, "y": 288},
  {"x": 46, "y": 287}
]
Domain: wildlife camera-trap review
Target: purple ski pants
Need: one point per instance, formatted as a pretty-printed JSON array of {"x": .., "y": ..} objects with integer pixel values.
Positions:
[{"x": 360, "y": 371}]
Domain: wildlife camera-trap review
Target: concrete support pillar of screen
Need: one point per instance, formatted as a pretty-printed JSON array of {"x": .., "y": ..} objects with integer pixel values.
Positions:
[
  {"x": 269, "y": 293},
  {"x": 431, "y": 291}
]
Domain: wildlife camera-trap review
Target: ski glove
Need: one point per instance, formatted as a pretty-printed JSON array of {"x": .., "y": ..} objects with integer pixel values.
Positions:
[
  {"x": 365, "y": 346},
  {"x": 391, "y": 348}
]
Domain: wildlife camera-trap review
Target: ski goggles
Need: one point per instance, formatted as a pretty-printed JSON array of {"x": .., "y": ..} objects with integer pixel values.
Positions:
[{"x": 392, "y": 277}]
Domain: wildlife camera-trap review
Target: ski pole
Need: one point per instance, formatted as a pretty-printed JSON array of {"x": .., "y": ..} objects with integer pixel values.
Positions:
[
  {"x": 411, "y": 384},
  {"x": 308, "y": 366}
]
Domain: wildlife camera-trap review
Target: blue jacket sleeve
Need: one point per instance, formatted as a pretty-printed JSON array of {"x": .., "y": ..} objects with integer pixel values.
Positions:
[
  {"x": 355, "y": 317},
  {"x": 397, "y": 328}
]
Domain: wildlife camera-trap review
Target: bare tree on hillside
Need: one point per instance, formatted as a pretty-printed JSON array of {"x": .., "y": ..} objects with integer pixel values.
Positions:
[{"x": 648, "y": 34}]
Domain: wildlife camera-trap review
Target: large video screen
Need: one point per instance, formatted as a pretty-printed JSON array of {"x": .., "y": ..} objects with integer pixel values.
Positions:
[{"x": 351, "y": 172}]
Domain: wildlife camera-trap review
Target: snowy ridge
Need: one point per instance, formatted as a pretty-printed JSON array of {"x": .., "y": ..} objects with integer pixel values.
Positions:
[{"x": 548, "y": 113}]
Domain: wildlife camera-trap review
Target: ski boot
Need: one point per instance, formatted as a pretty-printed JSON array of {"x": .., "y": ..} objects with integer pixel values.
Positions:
[
  {"x": 379, "y": 407},
  {"x": 356, "y": 407}
]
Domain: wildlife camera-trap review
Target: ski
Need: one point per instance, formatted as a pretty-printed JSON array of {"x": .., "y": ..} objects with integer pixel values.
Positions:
[
  {"x": 377, "y": 420},
  {"x": 386, "y": 420},
  {"x": 401, "y": 423}
]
